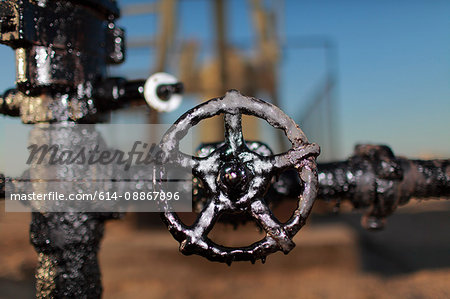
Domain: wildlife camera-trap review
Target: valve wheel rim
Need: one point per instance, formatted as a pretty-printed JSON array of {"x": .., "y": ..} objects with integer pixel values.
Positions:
[{"x": 194, "y": 239}]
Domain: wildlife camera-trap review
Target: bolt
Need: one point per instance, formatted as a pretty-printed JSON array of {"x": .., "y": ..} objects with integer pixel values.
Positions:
[{"x": 7, "y": 24}]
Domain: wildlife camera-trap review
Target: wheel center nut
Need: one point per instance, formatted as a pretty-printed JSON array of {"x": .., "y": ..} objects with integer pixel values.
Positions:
[{"x": 234, "y": 178}]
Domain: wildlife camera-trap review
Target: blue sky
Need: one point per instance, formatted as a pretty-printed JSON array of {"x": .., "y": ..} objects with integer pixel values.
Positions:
[
  {"x": 394, "y": 69},
  {"x": 393, "y": 65}
]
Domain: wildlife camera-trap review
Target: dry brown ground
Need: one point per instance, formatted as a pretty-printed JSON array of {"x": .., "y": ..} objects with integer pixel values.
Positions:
[{"x": 147, "y": 264}]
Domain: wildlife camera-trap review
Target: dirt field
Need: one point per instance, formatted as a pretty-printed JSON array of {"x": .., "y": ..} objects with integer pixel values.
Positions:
[{"x": 333, "y": 259}]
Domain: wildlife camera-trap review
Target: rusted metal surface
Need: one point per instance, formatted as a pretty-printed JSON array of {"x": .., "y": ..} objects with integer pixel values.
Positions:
[
  {"x": 376, "y": 181},
  {"x": 235, "y": 179},
  {"x": 62, "y": 50},
  {"x": 67, "y": 245}
]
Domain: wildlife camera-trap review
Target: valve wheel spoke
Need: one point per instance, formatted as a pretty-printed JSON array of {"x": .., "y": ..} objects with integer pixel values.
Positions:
[
  {"x": 206, "y": 219},
  {"x": 271, "y": 225},
  {"x": 201, "y": 167},
  {"x": 198, "y": 233},
  {"x": 204, "y": 169},
  {"x": 233, "y": 130}
]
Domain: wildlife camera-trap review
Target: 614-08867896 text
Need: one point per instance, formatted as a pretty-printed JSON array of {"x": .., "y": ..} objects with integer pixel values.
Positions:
[{"x": 147, "y": 195}]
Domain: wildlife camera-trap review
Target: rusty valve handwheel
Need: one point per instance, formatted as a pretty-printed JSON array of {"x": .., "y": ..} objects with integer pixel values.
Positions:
[{"x": 236, "y": 179}]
